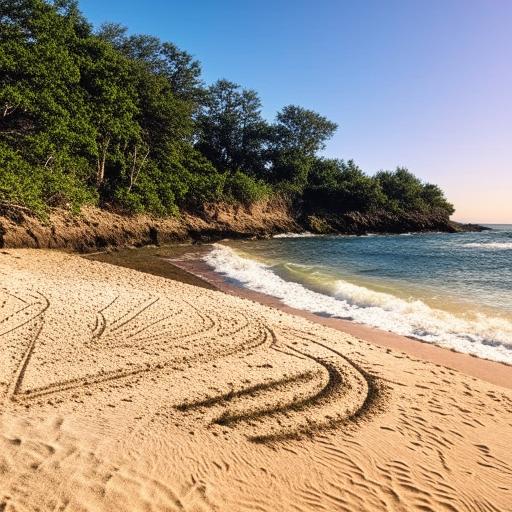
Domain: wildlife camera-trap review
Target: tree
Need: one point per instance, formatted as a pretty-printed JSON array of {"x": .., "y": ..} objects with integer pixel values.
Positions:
[
  {"x": 231, "y": 132},
  {"x": 336, "y": 186},
  {"x": 44, "y": 115},
  {"x": 302, "y": 130},
  {"x": 167, "y": 91},
  {"x": 39, "y": 74},
  {"x": 402, "y": 189},
  {"x": 296, "y": 136},
  {"x": 406, "y": 192},
  {"x": 434, "y": 197},
  {"x": 161, "y": 58},
  {"x": 108, "y": 82}
]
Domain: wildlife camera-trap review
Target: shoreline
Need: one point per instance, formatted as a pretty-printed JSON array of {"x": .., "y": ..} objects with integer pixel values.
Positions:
[{"x": 195, "y": 271}]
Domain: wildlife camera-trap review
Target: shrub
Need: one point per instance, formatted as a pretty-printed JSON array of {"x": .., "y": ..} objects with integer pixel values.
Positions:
[
  {"x": 339, "y": 187},
  {"x": 40, "y": 187},
  {"x": 245, "y": 189}
]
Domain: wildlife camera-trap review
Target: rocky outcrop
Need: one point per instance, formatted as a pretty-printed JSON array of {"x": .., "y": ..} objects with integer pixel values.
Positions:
[
  {"x": 356, "y": 223},
  {"x": 96, "y": 229}
]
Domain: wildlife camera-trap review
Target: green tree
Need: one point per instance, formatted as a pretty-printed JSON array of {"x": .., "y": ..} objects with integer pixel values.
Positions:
[
  {"x": 406, "y": 192},
  {"x": 297, "y": 135},
  {"x": 109, "y": 86},
  {"x": 336, "y": 186},
  {"x": 402, "y": 189},
  {"x": 231, "y": 132},
  {"x": 44, "y": 114},
  {"x": 434, "y": 197},
  {"x": 302, "y": 130},
  {"x": 168, "y": 88},
  {"x": 181, "y": 70}
]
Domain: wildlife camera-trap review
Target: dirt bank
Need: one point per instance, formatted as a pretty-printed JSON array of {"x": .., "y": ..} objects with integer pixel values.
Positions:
[{"x": 96, "y": 229}]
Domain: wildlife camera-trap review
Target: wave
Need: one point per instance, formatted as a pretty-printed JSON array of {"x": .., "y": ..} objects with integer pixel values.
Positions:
[
  {"x": 489, "y": 245},
  {"x": 305, "y": 234},
  {"x": 484, "y": 336}
]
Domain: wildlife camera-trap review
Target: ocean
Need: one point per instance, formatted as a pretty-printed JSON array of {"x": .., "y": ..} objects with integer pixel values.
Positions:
[{"x": 453, "y": 290}]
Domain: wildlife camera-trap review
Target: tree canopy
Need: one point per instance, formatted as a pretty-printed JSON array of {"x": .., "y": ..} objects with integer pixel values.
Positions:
[{"x": 126, "y": 121}]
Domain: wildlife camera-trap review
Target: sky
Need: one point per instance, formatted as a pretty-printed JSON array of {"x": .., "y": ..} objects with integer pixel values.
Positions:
[{"x": 415, "y": 83}]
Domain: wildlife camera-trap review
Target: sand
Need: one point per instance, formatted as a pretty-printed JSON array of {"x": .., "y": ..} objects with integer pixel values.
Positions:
[{"x": 121, "y": 390}]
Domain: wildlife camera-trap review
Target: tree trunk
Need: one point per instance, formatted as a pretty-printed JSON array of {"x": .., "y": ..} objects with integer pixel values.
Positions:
[
  {"x": 136, "y": 169},
  {"x": 100, "y": 172}
]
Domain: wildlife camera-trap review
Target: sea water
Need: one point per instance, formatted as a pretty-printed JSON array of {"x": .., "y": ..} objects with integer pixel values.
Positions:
[{"x": 454, "y": 290}]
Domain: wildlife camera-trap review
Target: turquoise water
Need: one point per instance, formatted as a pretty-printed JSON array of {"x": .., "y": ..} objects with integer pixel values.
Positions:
[{"x": 454, "y": 290}]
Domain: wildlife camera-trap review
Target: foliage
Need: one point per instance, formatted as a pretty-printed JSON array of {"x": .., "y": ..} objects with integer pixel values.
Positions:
[
  {"x": 296, "y": 136},
  {"x": 246, "y": 189},
  {"x": 39, "y": 187},
  {"x": 340, "y": 187},
  {"x": 406, "y": 192},
  {"x": 301, "y": 130},
  {"x": 231, "y": 132},
  {"x": 124, "y": 120}
]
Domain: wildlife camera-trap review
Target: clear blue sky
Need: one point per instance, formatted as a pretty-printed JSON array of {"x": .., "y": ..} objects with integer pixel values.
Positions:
[{"x": 421, "y": 83}]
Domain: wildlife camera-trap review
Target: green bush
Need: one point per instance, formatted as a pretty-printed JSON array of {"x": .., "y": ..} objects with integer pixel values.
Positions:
[
  {"x": 39, "y": 187},
  {"x": 338, "y": 187},
  {"x": 65, "y": 189},
  {"x": 243, "y": 188},
  {"x": 406, "y": 192},
  {"x": 203, "y": 188},
  {"x": 148, "y": 195},
  {"x": 19, "y": 184}
]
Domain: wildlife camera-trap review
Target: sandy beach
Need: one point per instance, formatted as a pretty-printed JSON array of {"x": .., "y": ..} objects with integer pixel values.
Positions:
[{"x": 122, "y": 390}]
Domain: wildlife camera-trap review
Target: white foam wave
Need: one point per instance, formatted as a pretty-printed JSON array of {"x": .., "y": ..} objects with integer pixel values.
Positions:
[
  {"x": 483, "y": 336},
  {"x": 305, "y": 234},
  {"x": 489, "y": 245}
]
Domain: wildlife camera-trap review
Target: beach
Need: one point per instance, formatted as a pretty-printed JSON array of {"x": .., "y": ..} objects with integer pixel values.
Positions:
[{"x": 123, "y": 390}]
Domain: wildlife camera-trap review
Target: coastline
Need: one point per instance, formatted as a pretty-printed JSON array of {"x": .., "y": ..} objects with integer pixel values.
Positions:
[
  {"x": 95, "y": 229},
  {"x": 214, "y": 300},
  {"x": 187, "y": 258}
]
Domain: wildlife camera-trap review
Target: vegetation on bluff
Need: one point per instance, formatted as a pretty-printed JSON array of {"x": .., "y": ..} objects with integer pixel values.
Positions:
[{"x": 125, "y": 121}]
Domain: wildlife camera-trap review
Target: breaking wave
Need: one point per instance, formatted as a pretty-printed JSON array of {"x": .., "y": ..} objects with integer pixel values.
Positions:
[
  {"x": 489, "y": 245},
  {"x": 482, "y": 335},
  {"x": 305, "y": 234}
]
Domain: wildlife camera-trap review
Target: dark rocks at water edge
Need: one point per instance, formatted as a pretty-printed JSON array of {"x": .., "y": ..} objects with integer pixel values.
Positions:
[
  {"x": 460, "y": 227},
  {"x": 356, "y": 223}
]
